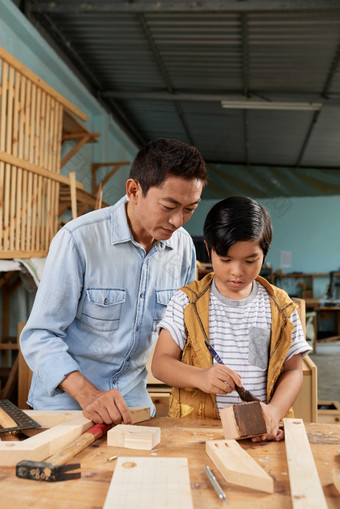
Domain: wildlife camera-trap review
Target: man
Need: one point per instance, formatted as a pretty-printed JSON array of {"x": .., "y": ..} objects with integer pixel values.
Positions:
[{"x": 108, "y": 278}]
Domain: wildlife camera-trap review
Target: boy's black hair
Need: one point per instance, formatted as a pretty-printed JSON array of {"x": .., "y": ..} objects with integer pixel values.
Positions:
[
  {"x": 236, "y": 219},
  {"x": 161, "y": 158}
]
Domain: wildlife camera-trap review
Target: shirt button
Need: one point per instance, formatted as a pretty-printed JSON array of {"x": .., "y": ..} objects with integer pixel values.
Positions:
[
  {"x": 114, "y": 381},
  {"x": 141, "y": 295},
  {"x": 106, "y": 302},
  {"x": 137, "y": 328},
  {"x": 128, "y": 359}
]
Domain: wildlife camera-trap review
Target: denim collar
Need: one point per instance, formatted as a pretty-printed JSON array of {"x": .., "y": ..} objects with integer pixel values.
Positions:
[{"x": 120, "y": 231}]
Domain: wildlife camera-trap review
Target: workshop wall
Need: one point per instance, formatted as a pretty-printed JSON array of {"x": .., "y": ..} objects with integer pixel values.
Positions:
[
  {"x": 23, "y": 41},
  {"x": 307, "y": 227}
]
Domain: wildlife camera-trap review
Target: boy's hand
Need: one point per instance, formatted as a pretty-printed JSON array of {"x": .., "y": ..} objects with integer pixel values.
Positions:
[
  {"x": 272, "y": 423},
  {"x": 218, "y": 379}
]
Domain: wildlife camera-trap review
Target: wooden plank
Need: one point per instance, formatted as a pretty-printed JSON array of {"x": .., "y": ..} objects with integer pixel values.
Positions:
[
  {"x": 237, "y": 466},
  {"x": 134, "y": 437},
  {"x": 72, "y": 176},
  {"x": 243, "y": 420},
  {"x": 150, "y": 482},
  {"x": 305, "y": 485},
  {"x": 11, "y": 173},
  {"x": 3, "y": 85},
  {"x": 7, "y": 57},
  {"x": 40, "y": 446},
  {"x": 336, "y": 478},
  {"x": 9, "y": 158},
  {"x": 75, "y": 149},
  {"x": 48, "y": 442},
  {"x": 51, "y": 418}
]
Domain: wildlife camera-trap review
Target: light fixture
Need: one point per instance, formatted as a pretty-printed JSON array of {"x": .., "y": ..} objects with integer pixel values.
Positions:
[{"x": 268, "y": 105}]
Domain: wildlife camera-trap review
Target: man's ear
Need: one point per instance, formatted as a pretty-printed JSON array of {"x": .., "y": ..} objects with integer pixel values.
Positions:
[{"x": 133, "y": 190}]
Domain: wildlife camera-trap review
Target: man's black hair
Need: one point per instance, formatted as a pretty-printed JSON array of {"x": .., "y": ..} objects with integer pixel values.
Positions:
[
  {"x": 162, "y": 158},
  {"x": 237, "y": 219}
]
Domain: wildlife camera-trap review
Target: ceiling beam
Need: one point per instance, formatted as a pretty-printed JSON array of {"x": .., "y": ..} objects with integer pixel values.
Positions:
[
  {"x": 307, "y": 138},
  {"x": 166, "y": 77},
  {"x": 245, "y": 53},
  {"x": 187, "y": 96},
  {"x": 120, "y": 6},
  {"x": 331, "y": 74}
]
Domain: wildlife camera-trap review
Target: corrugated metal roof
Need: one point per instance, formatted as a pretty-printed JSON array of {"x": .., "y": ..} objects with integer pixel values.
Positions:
[{"x": 167, "y": 65}]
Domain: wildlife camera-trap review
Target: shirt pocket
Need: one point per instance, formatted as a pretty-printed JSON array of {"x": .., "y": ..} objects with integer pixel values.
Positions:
[
  {"x": 259, "y": 340},
  {"x": 163, "y": 298},
  {"x": 102, "y": 308}
]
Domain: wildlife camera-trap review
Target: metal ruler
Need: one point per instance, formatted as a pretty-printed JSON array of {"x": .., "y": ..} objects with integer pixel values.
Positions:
[{"x": 23, "y": 420}]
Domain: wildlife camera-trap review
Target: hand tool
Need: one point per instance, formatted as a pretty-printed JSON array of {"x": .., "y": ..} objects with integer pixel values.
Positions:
[
  {"x": 241, "y": 391},
  {"x": 215, "y": 484},
  {"x": 54, "y": 468},
  {"x": 13, "y": 418}
]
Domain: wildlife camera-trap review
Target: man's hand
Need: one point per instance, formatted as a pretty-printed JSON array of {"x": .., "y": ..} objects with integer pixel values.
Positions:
[
  {"x": 218, "y": 379},
  {"x": 106, "y": 407}
]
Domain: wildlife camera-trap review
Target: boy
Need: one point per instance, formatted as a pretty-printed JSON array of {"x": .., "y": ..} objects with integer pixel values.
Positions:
[{"x": 253, "y": 326}]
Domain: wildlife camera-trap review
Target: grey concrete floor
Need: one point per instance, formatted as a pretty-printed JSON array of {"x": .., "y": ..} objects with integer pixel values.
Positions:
[{"x": 327, "y": 360}]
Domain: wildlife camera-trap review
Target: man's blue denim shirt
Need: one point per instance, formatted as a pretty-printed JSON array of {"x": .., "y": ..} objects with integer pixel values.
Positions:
[{"x": 98, "y": 305}]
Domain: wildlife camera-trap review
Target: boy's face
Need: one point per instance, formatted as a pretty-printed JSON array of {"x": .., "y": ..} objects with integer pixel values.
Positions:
[{"x": 236, "y": 271}]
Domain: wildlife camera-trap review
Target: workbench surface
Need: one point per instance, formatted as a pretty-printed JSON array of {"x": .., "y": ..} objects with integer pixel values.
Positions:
[{"x": 179, "y": 438}]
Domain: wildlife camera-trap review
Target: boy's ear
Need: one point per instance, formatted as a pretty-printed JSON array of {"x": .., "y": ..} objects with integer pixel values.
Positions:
[
  {"x": 133, "y": 190},
  {"x": 207, "y": 248}
]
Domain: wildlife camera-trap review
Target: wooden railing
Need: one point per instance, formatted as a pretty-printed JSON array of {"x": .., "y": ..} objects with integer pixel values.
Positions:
[{"x": 31, "y": 116}]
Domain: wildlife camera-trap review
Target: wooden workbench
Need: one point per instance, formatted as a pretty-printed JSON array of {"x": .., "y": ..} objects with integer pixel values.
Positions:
[{"x": 179, "y": 438}]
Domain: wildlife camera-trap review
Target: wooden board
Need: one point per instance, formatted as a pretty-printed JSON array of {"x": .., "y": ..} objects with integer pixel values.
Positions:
[
  {"x": 149, "y": 483},
  {"x": 336, "y": 478},
  {"x": 237, "y": 466},
  {"x": 305, "y": 485},
  {"x": 48, "y": 442},
  {"x": 243, "y": 420},
  {"x": 306, "y": 404},
  {"x": 329, "y": 411},
  {"x": 134, "y": 437}
]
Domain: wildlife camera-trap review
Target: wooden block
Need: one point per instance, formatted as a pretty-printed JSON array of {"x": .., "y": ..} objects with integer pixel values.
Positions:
[
  {"x": 150, "y": 482},
  {"x": 329, "y": 412},
  {"x": 305, "y": 485},
  {"x": 237, "y": 466},
  {"x": 134, "y": 437},
  {"x": 139, "y": 414},
  {"x": 336, "y": 478},
  {"x": 70, "y": 426},
  {"x": 40, "y": 446},
  {"x": 243, "y": 420},
  {"x": 305, "y": 405}
]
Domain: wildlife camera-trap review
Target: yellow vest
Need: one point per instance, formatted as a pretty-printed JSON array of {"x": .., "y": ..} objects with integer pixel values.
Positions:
[{"x": 194, "y": 403}]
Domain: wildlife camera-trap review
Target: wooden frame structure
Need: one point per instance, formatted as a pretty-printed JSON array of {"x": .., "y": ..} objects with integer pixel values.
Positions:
[
  {"x": 31, "y": 123},
  {"x": 75, "y": 131},
  {"x": 97, "y": 166}
]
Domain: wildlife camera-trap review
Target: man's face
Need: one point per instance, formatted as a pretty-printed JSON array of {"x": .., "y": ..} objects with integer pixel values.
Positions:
[{"x": 164, "y": 209}]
